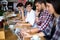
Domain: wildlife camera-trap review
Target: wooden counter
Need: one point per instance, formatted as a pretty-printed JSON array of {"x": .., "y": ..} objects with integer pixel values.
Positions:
[{"x": 2, "y": 34}]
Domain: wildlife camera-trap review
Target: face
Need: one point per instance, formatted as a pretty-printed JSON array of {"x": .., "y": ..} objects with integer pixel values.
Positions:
[
  {"x": 38, "y": 6},
  {"x": 50, "y": 8},
  {"x": 43, "y": 6},
  {"x": 20, "y": 8},
  {"x": 28, "y": 8}
]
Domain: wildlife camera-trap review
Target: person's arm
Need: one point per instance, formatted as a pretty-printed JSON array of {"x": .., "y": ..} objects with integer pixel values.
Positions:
[
  {"x": 44, "y": 21},
  {"x": 22, "y": 10},
  {"x": 23, "y": 16},
  {"x": 24, "y": 33},
  {"x": 41, "y": 34},
  {"x": 22, "y": 24},
  {"x": 34, "y": 30},
  {"x": 18, "y": 16},
  {"x": 26, "y": 24},
  {"x": 43, "y": 25}
]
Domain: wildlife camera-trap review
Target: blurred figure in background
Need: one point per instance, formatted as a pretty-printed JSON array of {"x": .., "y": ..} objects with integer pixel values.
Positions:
[
  {"x": 5, "y": 3},
  {"x": 22, "y": 1}
]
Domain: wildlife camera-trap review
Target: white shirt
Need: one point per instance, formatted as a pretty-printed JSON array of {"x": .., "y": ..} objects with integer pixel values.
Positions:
[{"x": 30, "y": 17}]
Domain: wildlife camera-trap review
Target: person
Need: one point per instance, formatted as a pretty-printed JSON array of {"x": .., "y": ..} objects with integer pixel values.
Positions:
[
  {"x": 30, "y": 18},
  {"x": 30, "y": 13},
  {"x": 20, "y": 10},
  {"x": 4, "y": 5},
  {"x": 54, "y": 7},
  {"x": 44, "y": 23},
  {"x": 39, "y": 8}
]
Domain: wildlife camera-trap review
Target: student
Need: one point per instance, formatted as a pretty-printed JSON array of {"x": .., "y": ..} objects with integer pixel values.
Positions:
[
  {"x": 20, "y": 7},
  {"x": 44, "y": 22},
  {"x": 30, "y": 17},
  {"x": 20, "y": 14},
  {"x": 54, "y": 7},
  {"x": 40, "y": 8}
]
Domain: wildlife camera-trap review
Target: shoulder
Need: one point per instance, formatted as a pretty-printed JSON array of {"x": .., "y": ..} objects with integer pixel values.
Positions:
[
  {"x": 58, "y": 19},
  {"x": 32, "y": 11}
]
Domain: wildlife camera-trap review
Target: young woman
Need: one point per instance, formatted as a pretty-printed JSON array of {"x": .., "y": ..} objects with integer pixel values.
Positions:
[{"x": 53, "y": 6}]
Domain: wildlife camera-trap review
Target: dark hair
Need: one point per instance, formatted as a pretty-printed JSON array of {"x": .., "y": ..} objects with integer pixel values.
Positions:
[
  {"x": 40, "y": 1},
  {"x": 19, "y": 5},
  {"x": 28, "y": 3},
  {"x": 56, "y": 5}
]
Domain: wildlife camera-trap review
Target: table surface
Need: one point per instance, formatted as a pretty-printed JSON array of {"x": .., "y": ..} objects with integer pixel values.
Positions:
[
  {"x": 28, "y": 38},
  {"x": 2, "y": 33},
  {"x": 1, "y": 29}
]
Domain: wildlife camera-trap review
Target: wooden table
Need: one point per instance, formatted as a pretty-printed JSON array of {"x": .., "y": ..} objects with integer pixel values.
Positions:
[
  {"x": 2, "y": 34},
  {"x": 28, "y": 38}
]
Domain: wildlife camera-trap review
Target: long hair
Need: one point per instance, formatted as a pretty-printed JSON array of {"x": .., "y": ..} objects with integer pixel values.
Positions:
[{"x": 56, "y": 5}]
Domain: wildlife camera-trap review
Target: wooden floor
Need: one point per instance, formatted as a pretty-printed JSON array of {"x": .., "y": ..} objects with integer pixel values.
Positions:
[{"x": 10, "y": 36}]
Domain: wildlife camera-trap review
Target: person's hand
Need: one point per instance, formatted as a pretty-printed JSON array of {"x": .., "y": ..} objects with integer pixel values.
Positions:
[
  {"x": 18, "y": 25},
  {"x": 37, "y": 12},
  {"x": 36, "y": 19},
  {"x": 25, "y": 34},
  {"x": 22, "y": 32},
  {"x": 22, "y": 10},
  {"x": 26, "y": 30},
  {"x": 41, "y": 34}
]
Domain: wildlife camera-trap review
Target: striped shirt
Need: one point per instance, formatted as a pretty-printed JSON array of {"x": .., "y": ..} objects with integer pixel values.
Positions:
[
  {"x": 56, "y": 35},
  {"x": 45, "y": 22}
]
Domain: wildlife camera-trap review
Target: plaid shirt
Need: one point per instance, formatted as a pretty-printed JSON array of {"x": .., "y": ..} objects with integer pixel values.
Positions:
[
  {"x": 45, "y": 22},
  {"x": 56, "y": 35}
]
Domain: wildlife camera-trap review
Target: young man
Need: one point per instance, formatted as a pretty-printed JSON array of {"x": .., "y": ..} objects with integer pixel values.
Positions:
[
  {"x": 30, "y": 18},
  {"x": 44, "y": 22}
]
